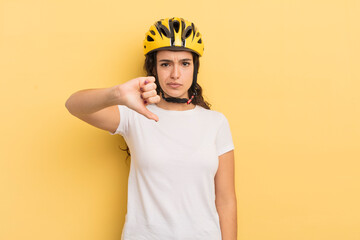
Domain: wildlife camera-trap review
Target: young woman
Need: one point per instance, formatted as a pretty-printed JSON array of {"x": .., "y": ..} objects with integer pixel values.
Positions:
[{"x": 181, "y": 181}]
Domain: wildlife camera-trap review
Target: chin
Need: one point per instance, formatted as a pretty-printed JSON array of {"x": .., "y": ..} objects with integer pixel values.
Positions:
[{"x": 175, "y": 94}]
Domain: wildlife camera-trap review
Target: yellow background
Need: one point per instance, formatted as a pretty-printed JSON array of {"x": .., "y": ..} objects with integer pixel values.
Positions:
[{"x": 285, "y": 74}]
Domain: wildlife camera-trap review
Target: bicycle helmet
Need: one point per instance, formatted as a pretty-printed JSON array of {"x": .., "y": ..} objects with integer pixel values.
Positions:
[{"x": 175, "y": 34}]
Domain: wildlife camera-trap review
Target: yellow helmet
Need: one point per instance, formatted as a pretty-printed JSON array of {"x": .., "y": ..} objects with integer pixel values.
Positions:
[{"x": 173, "y": 33}]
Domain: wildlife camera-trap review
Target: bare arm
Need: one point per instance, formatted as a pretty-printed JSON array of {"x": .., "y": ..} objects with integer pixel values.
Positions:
[
  {"x": 225, "y": 201},
  {"x": 98, "y": 107},
  {"x": 92, "y": 100}
]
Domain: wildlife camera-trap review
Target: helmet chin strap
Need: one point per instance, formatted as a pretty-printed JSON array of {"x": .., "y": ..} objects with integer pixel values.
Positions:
[
  {"x": 174, "y": 99},
  {"x": 181, "y": 100}
]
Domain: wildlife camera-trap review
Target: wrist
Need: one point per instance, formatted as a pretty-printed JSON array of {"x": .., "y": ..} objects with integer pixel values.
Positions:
[{"x": 116, "y": 95}]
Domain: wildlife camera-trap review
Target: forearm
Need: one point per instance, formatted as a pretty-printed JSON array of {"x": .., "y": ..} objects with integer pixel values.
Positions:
[
  {"x": 92, "y": 100},
  {"x": 228, "y": 220}
]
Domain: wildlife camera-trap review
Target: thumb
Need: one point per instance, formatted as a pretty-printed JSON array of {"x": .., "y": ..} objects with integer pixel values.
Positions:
[{"x": 144, "y": 111}]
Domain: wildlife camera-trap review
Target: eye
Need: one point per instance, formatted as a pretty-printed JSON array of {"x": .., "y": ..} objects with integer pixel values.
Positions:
[
  {"x": 164, "y": 64},
  {"x": 186, "y": 63}
]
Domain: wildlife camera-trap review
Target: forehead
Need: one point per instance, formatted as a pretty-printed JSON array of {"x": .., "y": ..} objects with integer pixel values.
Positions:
[{"x": 174, "y": 55}]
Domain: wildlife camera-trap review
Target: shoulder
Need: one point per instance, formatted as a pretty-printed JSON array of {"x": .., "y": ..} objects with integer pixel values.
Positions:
[
  {"x": 124, "y": 109},
  {"x": 212, "y": 113},
  {"x": 216, "y": 116},
  {"x": 126, "y": 112}
]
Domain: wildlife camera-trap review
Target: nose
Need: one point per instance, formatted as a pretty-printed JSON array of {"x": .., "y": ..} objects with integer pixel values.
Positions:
[{"x": 175, "y": 73}]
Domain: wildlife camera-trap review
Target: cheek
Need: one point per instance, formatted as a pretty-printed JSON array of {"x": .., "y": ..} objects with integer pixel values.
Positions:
[
  {"x": 163, "y": 73},
  {"x": 189, "y": 76},
  {"x": 162, "y": 76}
]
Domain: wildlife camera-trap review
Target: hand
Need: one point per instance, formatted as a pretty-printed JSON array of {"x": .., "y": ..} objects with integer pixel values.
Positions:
[{"x": 138, "y": 93}]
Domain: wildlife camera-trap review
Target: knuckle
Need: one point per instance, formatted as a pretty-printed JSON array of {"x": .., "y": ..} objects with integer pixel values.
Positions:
[
  {"x": 151, "y": 99},
  {"x": 157, "y": 98}
]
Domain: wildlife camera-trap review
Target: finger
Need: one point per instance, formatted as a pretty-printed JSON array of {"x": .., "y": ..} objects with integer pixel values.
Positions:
[
  {"x": 148, "y": 94},
  {"x": 148, "y": 87},
  {"x": 149, "y": 79},
  {"x": 146, "y": 80},
  {"x": 154, "y": 99}
]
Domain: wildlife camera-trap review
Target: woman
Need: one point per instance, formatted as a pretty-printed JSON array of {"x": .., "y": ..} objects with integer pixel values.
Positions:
[{"x": 181, "y": 181}]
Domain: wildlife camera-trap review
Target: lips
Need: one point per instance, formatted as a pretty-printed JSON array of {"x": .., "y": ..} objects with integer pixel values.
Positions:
[{"x": 174, "y": 85}]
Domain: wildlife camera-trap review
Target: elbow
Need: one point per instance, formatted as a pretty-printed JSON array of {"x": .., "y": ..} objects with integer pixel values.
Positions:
[
  {"x": 68, "y": 105},
  {"x": 227, "y": 203},
  {"x": 228, "y": 200}
]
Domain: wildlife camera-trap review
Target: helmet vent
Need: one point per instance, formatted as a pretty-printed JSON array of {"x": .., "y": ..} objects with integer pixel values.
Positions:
[
  {"x": 152, "y": 32},
  {"x": 164, "y": 32},
  {"x": 176, "y": 25},
  {"x": 200, "y": 40},
  {"x": 188, "y": 32},
  {"x": 150, "y": 39},
  {"x": 197, "y": 35}
]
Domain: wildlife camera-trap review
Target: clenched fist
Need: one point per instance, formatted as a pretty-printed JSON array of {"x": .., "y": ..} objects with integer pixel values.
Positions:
[{"x": 139, "y": 92}]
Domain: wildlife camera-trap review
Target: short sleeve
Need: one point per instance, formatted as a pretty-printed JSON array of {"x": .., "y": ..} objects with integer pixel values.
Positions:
[
  {"x": 224, "y": 142},
  {"x": 124, "y": 121}
]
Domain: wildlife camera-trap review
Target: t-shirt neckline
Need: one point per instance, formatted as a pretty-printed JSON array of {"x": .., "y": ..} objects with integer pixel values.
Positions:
[{"x": 175, "y": 111}]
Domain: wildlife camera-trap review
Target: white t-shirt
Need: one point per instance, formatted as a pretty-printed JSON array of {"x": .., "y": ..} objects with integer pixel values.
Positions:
[{"x": 171, "y": 191}]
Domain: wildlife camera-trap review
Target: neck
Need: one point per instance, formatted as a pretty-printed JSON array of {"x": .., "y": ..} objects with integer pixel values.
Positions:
[{"x": 174, "y": 106}]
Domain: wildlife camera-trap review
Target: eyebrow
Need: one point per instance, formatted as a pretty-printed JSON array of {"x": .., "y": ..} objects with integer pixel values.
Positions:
[{"x": 181, "y": 60}]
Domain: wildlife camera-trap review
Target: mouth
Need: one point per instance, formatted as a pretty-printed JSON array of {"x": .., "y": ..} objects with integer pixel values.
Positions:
[{"x": 174, "y": 85}]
